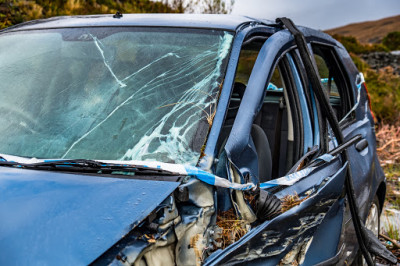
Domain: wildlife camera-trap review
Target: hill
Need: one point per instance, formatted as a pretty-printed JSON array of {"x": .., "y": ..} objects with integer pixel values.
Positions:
[{"x": 369, "y": 31}]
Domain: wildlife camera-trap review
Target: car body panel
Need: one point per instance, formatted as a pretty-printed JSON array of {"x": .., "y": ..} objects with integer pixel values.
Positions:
[
  {"x": 50, "y": 215},
  {"x": 272, "y": 240},
  {"x": 316, "y": 226}
]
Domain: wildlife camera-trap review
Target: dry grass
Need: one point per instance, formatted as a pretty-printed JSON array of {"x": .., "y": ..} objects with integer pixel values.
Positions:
[
  {"x": 232, "y": 228},
  {"x": 388, "y": 148},
  {"x": 290, "y": 201},
  {"x": 388, "y": 142}
]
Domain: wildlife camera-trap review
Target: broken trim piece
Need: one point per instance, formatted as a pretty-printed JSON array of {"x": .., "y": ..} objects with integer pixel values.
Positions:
[{"x": 289, "y": 180}]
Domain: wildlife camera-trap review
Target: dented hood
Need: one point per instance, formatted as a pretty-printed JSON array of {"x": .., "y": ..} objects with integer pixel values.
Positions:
[{"x": 46, "y": 216}]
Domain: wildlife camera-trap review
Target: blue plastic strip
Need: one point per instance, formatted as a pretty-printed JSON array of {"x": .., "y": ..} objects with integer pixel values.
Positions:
[
  {"x": 308, "y": 135},
  {"x": 295, "y": 177},
  {"x": 216, "y": 180},
  {"x": 289, "y": 179},
  {"x": 325, "y": 80},
  {"x": 273, "y": 87}
]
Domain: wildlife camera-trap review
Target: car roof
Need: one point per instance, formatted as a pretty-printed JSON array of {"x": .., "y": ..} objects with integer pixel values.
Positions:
[
  {"x": 207, "y": 21},
  {"x": 202, "y": 21}
]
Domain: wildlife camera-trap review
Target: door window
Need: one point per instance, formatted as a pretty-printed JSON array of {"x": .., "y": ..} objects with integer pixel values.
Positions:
[{"x": 333, "y": 79}]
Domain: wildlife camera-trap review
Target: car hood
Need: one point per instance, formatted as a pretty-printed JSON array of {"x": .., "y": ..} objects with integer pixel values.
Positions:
[{"x": 58, "y": 218}]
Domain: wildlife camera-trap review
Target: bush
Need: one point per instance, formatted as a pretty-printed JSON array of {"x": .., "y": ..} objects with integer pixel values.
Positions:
[
  {"x": 392, "y": 40},
  {"x": 16, "y": 11},
  {"x": 361, "y": 65},
  {"x": 384, "y": 89},
  {"x": 352, "y": 45}
]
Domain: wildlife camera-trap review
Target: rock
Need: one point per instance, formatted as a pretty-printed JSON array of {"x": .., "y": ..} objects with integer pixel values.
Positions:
[{"x": 379, "y": 60}]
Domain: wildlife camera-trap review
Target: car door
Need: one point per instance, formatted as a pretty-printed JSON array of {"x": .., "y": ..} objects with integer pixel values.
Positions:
[
  {"x": 352, "y": 110},
  {"x": 345, "y": 87},
  {"x": 309, "y": 232}
]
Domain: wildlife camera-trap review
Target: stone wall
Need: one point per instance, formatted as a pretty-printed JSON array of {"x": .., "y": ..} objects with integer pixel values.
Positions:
[{"x": 378, "y": 60}]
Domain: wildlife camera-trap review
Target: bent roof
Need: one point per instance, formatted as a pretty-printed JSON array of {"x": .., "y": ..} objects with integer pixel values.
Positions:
[{"x": 210, "y": 21}]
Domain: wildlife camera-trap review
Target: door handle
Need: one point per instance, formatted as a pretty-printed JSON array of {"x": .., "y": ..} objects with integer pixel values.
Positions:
[{"x": 361, "y": 145}]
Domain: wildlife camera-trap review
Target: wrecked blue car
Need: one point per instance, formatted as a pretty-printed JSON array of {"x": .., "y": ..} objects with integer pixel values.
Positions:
[{"x": 187, "y": 140}]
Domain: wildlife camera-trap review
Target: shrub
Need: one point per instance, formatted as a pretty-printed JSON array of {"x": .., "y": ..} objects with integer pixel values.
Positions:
[
  {"x": 384, "y": 89},
  {"x": 392, "y": 40},
  {"x": 352, "y": 45}
]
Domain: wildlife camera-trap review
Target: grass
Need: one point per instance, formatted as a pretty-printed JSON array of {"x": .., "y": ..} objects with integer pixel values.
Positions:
[
  {"x": 388, "y": 148},
  {"x": 392, "y": 172},
  {"x": 392, "y": 231},
  {"x": 232, "y": 227}
]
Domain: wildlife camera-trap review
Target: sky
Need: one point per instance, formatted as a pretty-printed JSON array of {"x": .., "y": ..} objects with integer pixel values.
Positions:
[{"x": 319, "y": 14}]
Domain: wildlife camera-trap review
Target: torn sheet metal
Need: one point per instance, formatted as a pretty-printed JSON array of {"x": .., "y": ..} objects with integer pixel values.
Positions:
[{"x": 269, "y": 242}]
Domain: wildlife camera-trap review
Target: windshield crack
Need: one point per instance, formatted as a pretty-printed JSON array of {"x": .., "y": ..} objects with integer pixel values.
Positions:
[{"x": 98, "y": 43}]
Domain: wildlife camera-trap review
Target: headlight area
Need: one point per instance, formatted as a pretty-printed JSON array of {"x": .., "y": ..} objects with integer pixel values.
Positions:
[{"x": 179, "y": 231}]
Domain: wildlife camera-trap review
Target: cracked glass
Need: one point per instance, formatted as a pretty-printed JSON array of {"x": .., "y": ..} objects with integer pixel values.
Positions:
[{"x": 110, "y": 93}]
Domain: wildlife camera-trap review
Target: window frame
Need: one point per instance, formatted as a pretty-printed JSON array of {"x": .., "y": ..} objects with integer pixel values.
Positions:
[{"x": 343, "y": 83}]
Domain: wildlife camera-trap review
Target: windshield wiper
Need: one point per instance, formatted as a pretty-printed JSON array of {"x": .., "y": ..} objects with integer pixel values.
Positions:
[{"x": 88, "y": 166}]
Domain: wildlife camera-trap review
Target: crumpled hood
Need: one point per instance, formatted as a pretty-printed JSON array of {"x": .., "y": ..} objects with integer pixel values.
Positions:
[{"x": 57, "y": 218}]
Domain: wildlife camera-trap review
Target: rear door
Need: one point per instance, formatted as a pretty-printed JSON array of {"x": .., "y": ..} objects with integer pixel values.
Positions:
[
  {"x": 353, "y": 113},
  {"x": 352, "y": 110}
]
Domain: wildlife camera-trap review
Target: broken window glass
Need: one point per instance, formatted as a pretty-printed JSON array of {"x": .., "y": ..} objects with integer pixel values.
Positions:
[{"x": 131, "y": 93}]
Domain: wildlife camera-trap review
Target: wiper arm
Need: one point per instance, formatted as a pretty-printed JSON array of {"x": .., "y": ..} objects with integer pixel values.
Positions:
[{"x": 90, "y": 166}]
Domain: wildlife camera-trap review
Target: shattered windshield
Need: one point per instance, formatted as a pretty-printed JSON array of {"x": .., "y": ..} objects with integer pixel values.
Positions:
[{"x": 110, "y": 93}]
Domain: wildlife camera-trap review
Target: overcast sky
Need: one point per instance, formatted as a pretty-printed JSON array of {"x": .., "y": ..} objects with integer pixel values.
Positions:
[{"x": 319, "y": 14}]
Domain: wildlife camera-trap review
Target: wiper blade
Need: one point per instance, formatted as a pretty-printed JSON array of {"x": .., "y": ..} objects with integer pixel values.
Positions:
[{"x": 90, "y": 166}]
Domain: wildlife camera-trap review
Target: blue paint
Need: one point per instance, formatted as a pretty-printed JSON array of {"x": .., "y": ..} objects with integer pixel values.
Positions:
[
  {"x": 238, "y": 149},
  {"x": 308, "y": 134},
  {"x": 69, "y": 219}
]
